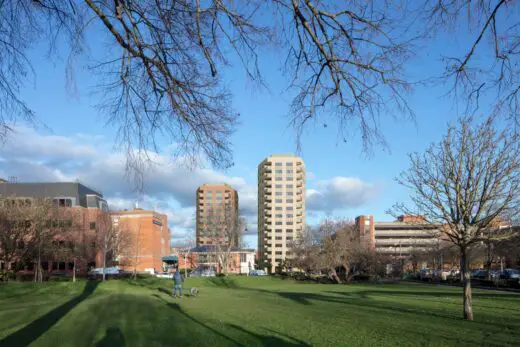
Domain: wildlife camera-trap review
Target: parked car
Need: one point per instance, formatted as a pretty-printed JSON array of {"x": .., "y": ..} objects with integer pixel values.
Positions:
[
  {"x": 108, "y": 271},
  {"x": 480, "y": 274},
  {"x": 198, "y": 272},
  {"x": 257, "y": 273},
  {"x": 511, "y": 274},
  {"x": 164, "y": 275}
]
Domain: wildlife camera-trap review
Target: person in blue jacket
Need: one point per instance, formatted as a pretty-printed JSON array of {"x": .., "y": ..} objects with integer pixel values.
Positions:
[{"x": 177, "y": 279}]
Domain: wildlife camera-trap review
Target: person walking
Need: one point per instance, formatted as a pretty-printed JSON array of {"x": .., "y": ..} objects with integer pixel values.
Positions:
[{"x": 177, "y": 279}]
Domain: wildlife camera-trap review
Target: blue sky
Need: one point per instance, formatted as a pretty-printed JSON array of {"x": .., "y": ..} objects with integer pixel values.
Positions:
[{"x": 343, "y": 181}]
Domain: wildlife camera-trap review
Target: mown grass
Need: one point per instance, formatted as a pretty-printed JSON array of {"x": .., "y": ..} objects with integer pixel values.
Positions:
[{"x": 251, "y": 312}]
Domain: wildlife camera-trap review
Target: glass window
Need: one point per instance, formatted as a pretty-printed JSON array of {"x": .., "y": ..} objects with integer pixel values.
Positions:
[
  {"x": 278, "y": 208},
  {"x": 278, "y": 245},
  {"x": 289, "y": 185},
  {"x": 289, "y": 172},
  {"x": 289, "y": 208},
  {"x": 278, "y": 253},
  {"x": 278, "y": 193},
  {"x": 290, "y": 223},
  {"x": 290, "y": 193},
  {"x": 278, "y": 237},
  {"x": 92, "y": 225},
  {"x": 278, "y": 223},
  {"x": 289, "y": 201},
  {"x": 279, "y": 201},
  {"x": 278, "y": 216},
  {"x": 278, "y": 171},
  {"x": 289, "y": 164},
  {"x": 289, "y": 215},
  {"x": 278, "y": 164},
  {"x": 243, "y": 258},
  {"x": 278, "y": 178},
  {"x": 278, "y": 230},
  {"x": 279, "y": 185},
  {"x": 289, "y": 178}
]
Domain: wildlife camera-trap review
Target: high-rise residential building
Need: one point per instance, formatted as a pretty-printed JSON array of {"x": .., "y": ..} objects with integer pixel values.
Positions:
[
  {"x": 281, "y": 207},
  {"x": 217, "y": 211}
]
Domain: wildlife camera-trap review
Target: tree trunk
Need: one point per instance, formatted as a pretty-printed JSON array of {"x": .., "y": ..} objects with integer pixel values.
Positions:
[
  {"x": 488, "y": 261},
  {"x": 37, "y": 273},
  {"x": 74, "y": 271},
  {"x": 104, "y": 261},
  {"x": 335, "y": 276},
  {"x": 466, "y": 273}
]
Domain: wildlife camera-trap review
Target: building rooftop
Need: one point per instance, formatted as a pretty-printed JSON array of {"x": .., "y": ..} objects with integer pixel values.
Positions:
[
  {"x": 212, "y": 248},
  {"x": 136, "y": 211},
  {"x": 214, "y": 184}
]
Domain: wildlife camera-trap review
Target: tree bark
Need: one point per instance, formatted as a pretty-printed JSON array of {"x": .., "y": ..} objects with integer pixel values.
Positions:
[
  {"x": 37, "y": 274},
  {"x": 489, "y": 260},
  {"x": 104, "y": 261},
  {"x": 74, "y": 271},
  {"x": 335, "y": 276},
  {"x": 466, "y": 273}
]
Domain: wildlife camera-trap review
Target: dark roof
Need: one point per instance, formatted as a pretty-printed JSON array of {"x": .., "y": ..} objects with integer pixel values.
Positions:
[
  {"x": 170, "y": 259},
  {"x": 84, "y": 195},
  {"x": 213, "y": 248}
]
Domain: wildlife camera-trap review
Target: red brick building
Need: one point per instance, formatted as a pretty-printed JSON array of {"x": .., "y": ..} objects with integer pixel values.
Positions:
[
  {"x": 241, "y": 260},
  {"x": 150, "y": 239},
  {"x": 75, "y": 213}
]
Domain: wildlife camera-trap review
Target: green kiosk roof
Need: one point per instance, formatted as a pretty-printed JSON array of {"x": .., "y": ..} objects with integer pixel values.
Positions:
[{"x": 170, "y": 259}]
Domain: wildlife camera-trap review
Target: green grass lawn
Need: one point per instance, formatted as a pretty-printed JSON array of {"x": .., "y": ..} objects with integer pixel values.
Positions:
[{"x": 251, "y": 312}]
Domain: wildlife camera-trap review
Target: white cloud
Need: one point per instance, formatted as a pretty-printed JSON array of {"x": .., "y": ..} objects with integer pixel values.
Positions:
[
  {"x": 170, "y": 187},
  {"x": 26, "y": 143},
  {"x": 339, "y": 193}
]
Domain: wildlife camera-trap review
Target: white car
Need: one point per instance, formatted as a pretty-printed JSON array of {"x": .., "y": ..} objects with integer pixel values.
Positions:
[
  {"x": 108, "y": 271},
  {"x": 164, "y": 275},
  {"x": 257, "y": 273}
]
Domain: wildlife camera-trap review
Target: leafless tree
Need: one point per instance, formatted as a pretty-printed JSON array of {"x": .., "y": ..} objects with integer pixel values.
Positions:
[
  {"x": 111, "y": 240},
  {"x": 71, "y": 241},
  {"x": 226, "y": 229},
  {"x": 47, "y": 220},
  {"x": 305, "y": 249},
  {"x": 465, "y": 182},
  {"x": 163, "y": 77},
  {"x": 15, "y": 232},
  {"x": 488, "y": 69},
  {"x": 346, "y": 64}
]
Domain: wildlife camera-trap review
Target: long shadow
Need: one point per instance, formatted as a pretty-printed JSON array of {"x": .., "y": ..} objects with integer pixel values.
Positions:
[
  {"x": 37, "y": 328},
  {"x": 113, "y": 338},
  {"x": 164, "y": 290},
  {"x": 270, "y": 340},
  {"x": 367, "y": 303},
  {"x": 177, "y": 308},
  {"x": 267, "y": 340},
  {"x": 224, "y": 282}
]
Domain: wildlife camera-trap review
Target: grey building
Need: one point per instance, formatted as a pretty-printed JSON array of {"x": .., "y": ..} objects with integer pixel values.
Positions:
[{"x": 68, "y": 194}]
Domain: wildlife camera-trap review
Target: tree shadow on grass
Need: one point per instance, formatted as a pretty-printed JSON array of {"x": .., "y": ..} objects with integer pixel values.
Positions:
[
  {"x": 113, "y": 338},
  {"x": 164, "y": 290},
  {"x": 271, "y": 340},
  {"x": 264, "y": 340},
  {"x": 224, "y": 282},
  {"x": 37, "y": 328},
  {"x": 365, "y": 302}
]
